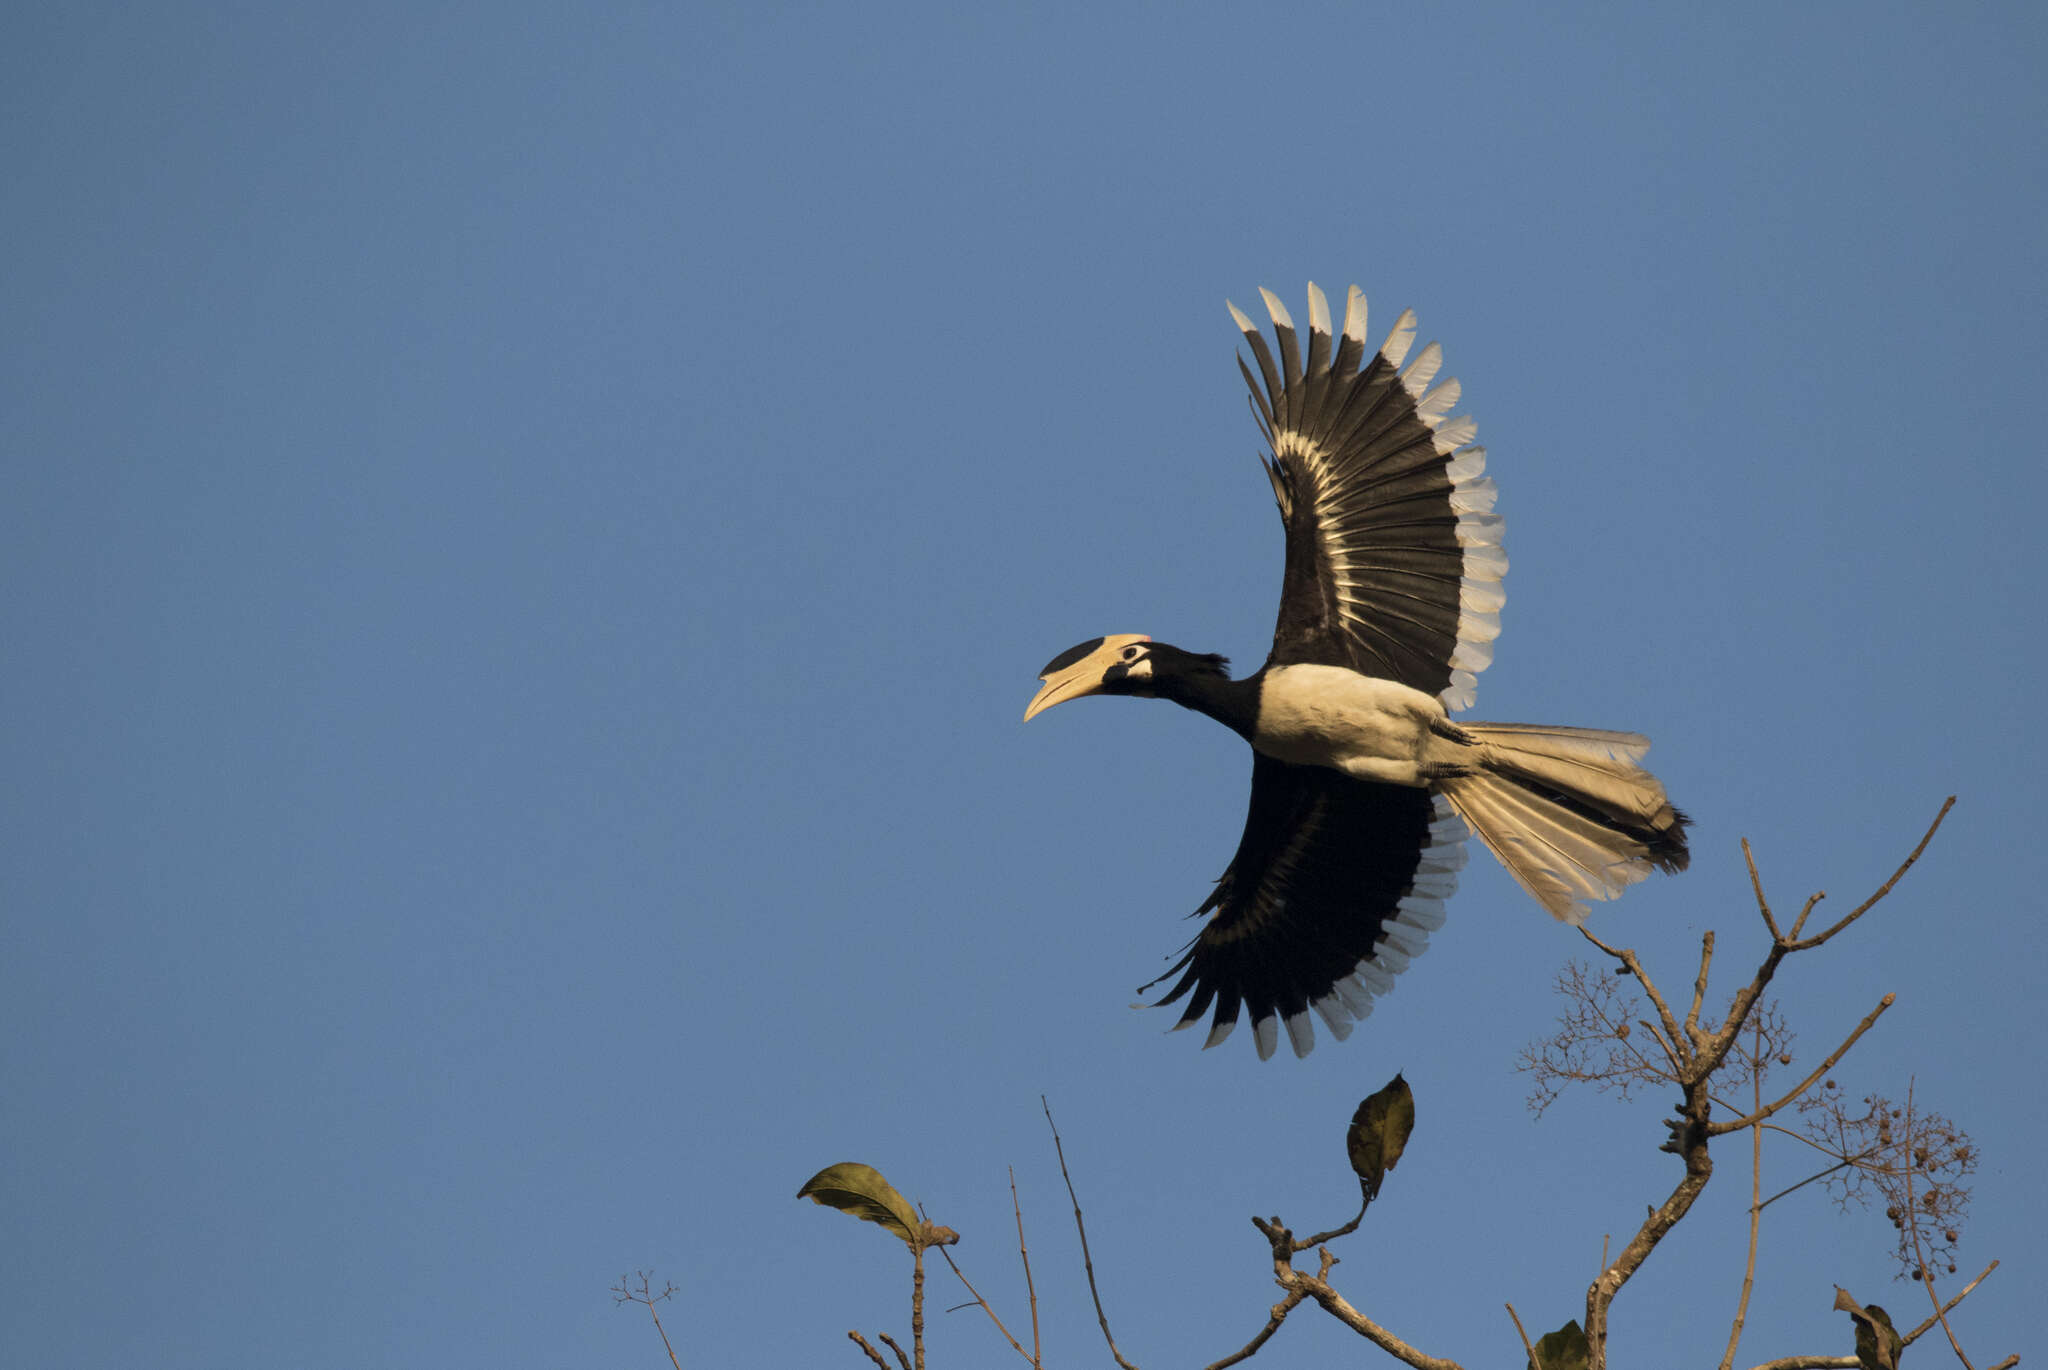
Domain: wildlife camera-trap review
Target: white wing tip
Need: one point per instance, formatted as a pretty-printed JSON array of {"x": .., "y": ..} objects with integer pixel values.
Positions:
[
  {"x": 1354, "y": 315},
  {"x": 1417, "y": 375},
  {"x": 1399, "y": 339},
  {"x": 1281, "y": 318},
  {"x": 1318, "y": 311}
]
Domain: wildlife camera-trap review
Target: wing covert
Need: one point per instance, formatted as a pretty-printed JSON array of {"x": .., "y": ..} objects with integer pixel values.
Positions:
[
  {"x": 1336, "y": 885},
  {"x": 1394, "y": 557}
]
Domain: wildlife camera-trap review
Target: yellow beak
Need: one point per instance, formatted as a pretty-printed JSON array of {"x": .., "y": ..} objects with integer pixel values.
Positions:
[{"x": 1079, "y": 671}]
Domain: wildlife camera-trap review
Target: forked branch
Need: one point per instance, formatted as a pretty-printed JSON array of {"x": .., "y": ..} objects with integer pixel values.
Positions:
[{"x": 1300, "y": 1286}]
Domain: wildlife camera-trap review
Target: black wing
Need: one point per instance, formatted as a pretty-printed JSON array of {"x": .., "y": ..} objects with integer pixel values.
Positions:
[
  {"x": 1336, "y": 884},
  {"x": 1393, "y": 550}
]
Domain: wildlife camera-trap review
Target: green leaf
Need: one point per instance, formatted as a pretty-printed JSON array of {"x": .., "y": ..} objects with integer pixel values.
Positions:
[
  {"x": 860, "y": 1190},
  {"x": 1564, "y": 1349},
  {"x": 1878, "y": 1343},
  {"x": 1379, "y": 1133}
]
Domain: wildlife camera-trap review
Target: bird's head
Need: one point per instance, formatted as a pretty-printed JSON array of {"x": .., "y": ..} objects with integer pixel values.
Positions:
[{"x": 1120, "y": 664}]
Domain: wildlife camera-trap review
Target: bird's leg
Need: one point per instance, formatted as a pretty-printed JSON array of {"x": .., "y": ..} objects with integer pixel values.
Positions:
[{"x": 1451, "y": 732}]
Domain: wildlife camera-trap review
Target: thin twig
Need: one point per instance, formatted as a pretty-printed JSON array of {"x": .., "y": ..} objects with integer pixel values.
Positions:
[
  {"x": 1840, "y": 1158},
  {"x": 1635, "y": 967},
  {"x": 1913, "y": 1231},
  {"x": 1801, "y": 1137},
  {"x": 1036, "y": 1345},
  {"x": 916, "y": 1308},
  {"x": 1812, "y": 903},
  {"x": 1278, "y": 1315},
  {"x": 1087, "y": 1261},
  {"x": 647, "y": 1296},
  {"x": 1763, "y": 905},
  {"x": 1616, "y": 1030},
  {"x": 1336, "y": 1232},
  {"x": 1737, "y": 1124},
  {"x": 890, "y": 1341},
  {"x": 1756, "y": 1183},
  {"x": 1530, "y": 1350},
  {"x": 1670, "y": 1054},
  {"x": 873, "y": 1354},
  {"x": 664, "y": 1338},
  {"x": 1015, "y": 1345},
  {"x": 1699, "y": 989},
  {"x": 1883, "y": 889},
  {"x": 1950, "y": 1305},
  {"x": 1817, "y": 1175}
]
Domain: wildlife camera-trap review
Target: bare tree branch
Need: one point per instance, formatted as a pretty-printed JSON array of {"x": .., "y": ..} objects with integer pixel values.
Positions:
[
  {"x": 1635, "y": 968},
  {"x": 1948, "y": 1307},
  {"x": 1277, "y": 1316},
  {"x": 1812, "y": 903},
  {"x": 1849, "y": 1362},
  {"x": 1756, "y": 1207},
  {"x": 1925, "y": 1274},
  {"x": 623, "y": 1293},
  {"x": 1594, "y": 1045},
  {"x": 1737, "y": 1124},
  {"x": 1339, "y": 1308},
  {"x": 1527, "y": 1349},
  {"x": 1087, "y": 1261},
  {"x": 1015, "y": 1345},
  {"x": 1701, "y": 1054},
  {"x": 1664, "y": 1045},
  {"x": 1689, "y": 1140},
  {"x": 1699, "y": 989},
  {"x": 916, "y": 1308},
  {"x": 1808, "y": 1141},
  {"x": 1882, "y": 890},
  {"x": 1763, "y": 905},
  {"x": 1817, "y": 1175},
  {"x": 862, "y": 1342},
  {"x": 1037, "y": 1346},
  {"x": 1745, "y": 999},
  {"x": 1346, "y": 1230},
  {"x": 1317, "y": 1287}
]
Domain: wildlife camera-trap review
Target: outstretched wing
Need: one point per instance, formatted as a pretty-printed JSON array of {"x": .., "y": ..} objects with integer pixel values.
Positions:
[
  {"x": 1336, "y": 884},
  {"x": 1393, "y": 549}
]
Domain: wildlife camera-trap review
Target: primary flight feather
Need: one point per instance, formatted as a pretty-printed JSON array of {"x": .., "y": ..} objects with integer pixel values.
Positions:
[{"x": 1363, "y": 788}]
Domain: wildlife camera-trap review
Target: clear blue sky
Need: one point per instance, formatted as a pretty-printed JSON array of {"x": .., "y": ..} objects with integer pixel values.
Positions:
[{"x": 528, "y": 531}]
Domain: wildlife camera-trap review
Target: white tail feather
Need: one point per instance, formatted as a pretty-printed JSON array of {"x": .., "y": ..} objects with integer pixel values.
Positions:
[{"x": 1568, "y": 812}]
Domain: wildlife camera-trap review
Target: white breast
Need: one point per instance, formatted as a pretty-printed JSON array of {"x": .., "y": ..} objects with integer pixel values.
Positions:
[{"x": 1329, "y": 716}]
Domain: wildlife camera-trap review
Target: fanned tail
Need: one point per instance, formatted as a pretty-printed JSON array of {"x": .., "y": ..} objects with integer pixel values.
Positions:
[{"x": 1569, "y": 812}]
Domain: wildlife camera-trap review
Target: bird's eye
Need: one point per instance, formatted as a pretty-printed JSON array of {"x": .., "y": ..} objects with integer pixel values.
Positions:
[{"x": 1130, "y": 654}]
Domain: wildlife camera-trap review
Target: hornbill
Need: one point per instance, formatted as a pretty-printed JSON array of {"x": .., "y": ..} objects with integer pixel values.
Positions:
[{"x": 1363, "y": 788}]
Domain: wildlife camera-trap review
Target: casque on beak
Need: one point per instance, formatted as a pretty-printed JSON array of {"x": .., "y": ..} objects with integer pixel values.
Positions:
[{"x": 1079, "y": 670}]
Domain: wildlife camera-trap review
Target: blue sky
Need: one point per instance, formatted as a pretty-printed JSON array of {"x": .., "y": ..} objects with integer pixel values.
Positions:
[{"x": 528, "y": 532}]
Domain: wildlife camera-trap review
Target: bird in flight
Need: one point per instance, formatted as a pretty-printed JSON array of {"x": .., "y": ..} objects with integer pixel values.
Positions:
[{"x": 1363, "y": 788}]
